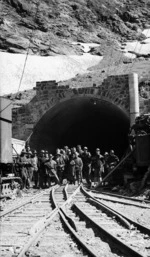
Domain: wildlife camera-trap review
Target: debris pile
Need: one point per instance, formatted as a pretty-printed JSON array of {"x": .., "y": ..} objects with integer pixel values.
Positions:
[{"x": 141, "y": 125}]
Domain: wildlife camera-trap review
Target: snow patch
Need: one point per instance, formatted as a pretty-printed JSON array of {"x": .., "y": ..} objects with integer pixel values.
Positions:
[
  {"x": 138, "y": 48},
  {"x": 40, "y": 68},
  {"x": 146, "y": 32},
  {"x": 86, "y": 46}
]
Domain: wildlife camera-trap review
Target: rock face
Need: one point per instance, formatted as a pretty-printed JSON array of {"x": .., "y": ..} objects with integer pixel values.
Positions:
[{"x": 48, "y": 27}]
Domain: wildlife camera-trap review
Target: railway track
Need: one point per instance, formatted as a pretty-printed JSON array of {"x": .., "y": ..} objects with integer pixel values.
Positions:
[
  {"x": 145, "y": 204},
  {"x": 133, "y": 199},
  {"x": 136, "y": 209},
  {"x": 71, "y": 222},
  {"x": 20, "y": 222},
  {"x": 123, "y": 235},
  {"x": 54, "y": 239}
]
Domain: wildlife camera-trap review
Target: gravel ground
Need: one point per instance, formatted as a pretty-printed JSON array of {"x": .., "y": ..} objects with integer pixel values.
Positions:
[
  {"x": 55, "y": 242},
  {"x": 92, "y": 237},
  {"x": 138, "y": 214},
  {"x": 59, "y": 243},
  {"x": 24, "y": 195}
]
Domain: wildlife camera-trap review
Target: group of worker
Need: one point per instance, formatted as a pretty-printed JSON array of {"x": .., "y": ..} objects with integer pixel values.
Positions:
[{"x": 74, "y": 165}]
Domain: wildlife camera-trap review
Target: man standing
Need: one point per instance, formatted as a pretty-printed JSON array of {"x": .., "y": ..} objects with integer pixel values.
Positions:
[
  {"x": 78, "y": 168},
  {"x": 51, "y": 167},
  {"x": 23, "y": 162},
  {"x": 106, "y": 166},
  {"x": 79, "y": 150},
  {"x": 28, "y": 149},
  {"x": 34, "y": 163},
  {"x": 29, "y": 167},
  {"x": 60, "y": 166},
  {"x": 42, "y": 170},
  {"x": 46, "y": 155},
  {"x": 71, "y": 169},
  {"x": 112, "y": 159},
  {"x": 112, "y": 162},
  {"x": 86, "y": 158},
  {"x": 97, "y": 167}
]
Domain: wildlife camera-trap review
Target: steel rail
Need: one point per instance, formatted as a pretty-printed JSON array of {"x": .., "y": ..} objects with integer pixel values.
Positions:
[
  {"x": 37, "y": 234},
  {"x": 75, "y": 235},
  {"x": 125, "y": 197},
  {"x": 33, "y": 198},
  {"x": 140, "y": 227},
  {"x": 42, "y": 224},
  {"x": 69, "y": 198},
  {"x": 123, "y": 202},
  {"x": 119, "y": 244},
  {"x": 70, "y": 228},
  {"x": 118, "y": 217},
  {"x": 39, "y": 227}
]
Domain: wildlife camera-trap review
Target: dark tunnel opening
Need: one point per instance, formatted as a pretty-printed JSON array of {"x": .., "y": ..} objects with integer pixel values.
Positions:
[{"x": 86, "y": 121}]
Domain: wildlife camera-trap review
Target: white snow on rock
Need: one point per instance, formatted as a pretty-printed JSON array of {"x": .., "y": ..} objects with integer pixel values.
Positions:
[
  {"x": 129, "y": 55},
  {"x": 138, "y": 48},
  {"x": 132, "y": 49},
  {"x": 86, "y": 46},
  {"x": 40, "y": 68},
  {"x": 147, "y": 40},
  {"x": 146, "y": 32}
]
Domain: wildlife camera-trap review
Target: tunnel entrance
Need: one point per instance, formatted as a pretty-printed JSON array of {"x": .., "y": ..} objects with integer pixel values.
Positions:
[{"x": 86, "y": 121}]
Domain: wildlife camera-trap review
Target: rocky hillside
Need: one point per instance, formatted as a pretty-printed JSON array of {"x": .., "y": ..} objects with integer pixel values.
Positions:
[{"x": 51, "y": 25}]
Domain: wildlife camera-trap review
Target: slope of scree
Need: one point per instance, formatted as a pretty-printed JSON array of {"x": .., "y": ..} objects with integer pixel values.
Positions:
[{"x": 59, "y": 22}]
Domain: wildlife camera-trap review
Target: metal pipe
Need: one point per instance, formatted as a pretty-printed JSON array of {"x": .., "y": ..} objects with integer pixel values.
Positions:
[{"x": 133, "y": 97}]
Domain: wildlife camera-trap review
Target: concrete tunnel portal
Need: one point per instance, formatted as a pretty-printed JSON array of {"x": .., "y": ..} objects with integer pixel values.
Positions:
[{"x": 86, "y": 121}]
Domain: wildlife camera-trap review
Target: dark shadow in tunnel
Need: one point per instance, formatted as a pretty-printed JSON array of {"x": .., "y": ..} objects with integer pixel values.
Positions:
[{"x": 87, "y": 121}]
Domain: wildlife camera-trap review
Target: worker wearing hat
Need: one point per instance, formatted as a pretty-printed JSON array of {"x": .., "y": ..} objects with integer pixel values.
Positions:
[
  {"x": 106, "y": 165},
  {"x": 46, "y": 155},
  {"x": 75, "y": 169},
  {"x": 23, "y": 169},
  {"x": 86, "y": 159},
  {"x": 29, "y": 166},
  {"x": 78, "y": 168},
  {"x": 113, "y": 158},
  {"x": 60, "y": 166},
  {"x": 97, "y": 167},
  {"x": 34, "y": 163},
  {"x": 51, "y": 167},
  {"x": 112, "y": 162},
  {"x": 42, "y": 170},
  {"x": 79, "y": 150}
]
